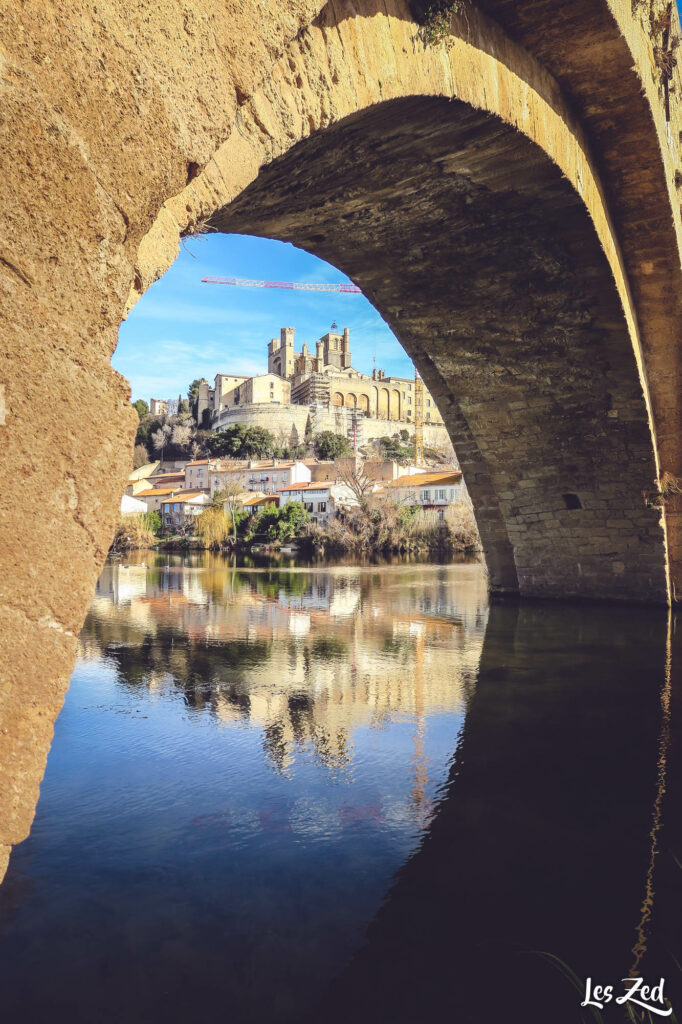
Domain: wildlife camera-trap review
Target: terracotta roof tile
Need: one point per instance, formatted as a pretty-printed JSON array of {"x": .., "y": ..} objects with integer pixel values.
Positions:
[{"x": 423, "y": 479}]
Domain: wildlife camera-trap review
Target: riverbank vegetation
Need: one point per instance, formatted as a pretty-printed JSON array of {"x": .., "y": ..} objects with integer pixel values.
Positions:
[
  {"x": 382, "y": 526},
  {"x": 377, "y": 526},
  {"x": 137, "y": 532}
]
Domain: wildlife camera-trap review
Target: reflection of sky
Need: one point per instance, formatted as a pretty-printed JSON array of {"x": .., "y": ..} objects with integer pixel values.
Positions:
[{"x": 204, "y": 791}]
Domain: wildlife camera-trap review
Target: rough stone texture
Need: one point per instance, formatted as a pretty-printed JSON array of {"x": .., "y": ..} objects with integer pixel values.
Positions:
[
  {"x": 486, "y": 265},
  {"x": 279, "y": 421},
  {"x": 123, "y": 126}
]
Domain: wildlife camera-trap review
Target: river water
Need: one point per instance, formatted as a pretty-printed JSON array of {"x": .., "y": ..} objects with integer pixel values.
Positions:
[{"x": 343, "y": 793}]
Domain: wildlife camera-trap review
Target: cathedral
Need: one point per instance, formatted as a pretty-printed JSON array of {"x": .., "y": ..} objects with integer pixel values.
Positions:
[{"x": 324, "y": 379}]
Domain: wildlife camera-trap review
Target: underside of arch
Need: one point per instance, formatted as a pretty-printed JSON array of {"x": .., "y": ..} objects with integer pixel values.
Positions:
[{"x": 483, "y": 260}]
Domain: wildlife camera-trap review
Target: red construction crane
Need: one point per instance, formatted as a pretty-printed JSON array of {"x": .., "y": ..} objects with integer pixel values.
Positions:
[{"x": 243, "y": 282}]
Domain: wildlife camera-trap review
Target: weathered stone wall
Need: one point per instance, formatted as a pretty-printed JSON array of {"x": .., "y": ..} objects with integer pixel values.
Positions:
[
  {"x": 279, "y": 420},
  {"x": 124, "y": 125},
  {"x": 512, "y": 316}
]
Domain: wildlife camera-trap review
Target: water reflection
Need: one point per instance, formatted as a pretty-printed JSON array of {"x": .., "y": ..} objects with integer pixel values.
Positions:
[
  {"x": 306, "y": 656},
  {"x": 244, "y": 760},
  {"x": 348, "y": 794}
]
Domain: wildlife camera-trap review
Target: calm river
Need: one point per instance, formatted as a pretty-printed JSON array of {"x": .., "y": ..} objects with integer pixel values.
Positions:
[{"x": 349, "y": 794}]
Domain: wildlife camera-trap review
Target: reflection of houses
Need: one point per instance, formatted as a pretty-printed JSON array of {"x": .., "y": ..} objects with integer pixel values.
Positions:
[{"x": 308, "y": 657}]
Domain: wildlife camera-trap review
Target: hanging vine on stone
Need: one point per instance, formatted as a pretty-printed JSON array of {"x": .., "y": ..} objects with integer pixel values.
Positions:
[{"x": 433, "y": 17}]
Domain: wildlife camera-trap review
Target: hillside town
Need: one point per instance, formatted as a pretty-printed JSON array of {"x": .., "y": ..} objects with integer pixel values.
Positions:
[
  {"x": 311, "y": 440},
  {"x": 179, "y": 491}
]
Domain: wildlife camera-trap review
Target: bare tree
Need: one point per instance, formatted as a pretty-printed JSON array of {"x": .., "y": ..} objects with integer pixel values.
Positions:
[
  {"x": 182, "y": 435},
  {"x": 357, "y": 480},
  {"x": 160, "y": 438}
]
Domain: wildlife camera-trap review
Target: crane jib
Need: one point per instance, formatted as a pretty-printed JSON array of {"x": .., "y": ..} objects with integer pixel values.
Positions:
[{"x": 342, "y": 287}]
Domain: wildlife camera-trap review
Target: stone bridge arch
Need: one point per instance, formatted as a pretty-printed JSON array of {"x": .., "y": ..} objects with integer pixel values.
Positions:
[
  {"x": 550, "y": 141},
  {"x": 533, "y": 348}
]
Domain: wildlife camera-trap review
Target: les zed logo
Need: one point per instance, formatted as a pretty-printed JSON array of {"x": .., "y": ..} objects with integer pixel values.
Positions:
[{"x": 640, "y": 994}]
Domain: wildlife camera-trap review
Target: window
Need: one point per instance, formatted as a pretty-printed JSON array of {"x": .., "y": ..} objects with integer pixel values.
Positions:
[
  {"x": 572, "y": 501},
  {"x": 284, "y": 478},
  {"x": 308, "y": 506},
  {"x": 428, "y": 415},
  {"x": 409, "y": 399},
  {"x": 322, "y": 506},
  {"x": 452, "y": 493},
  {"x": 274, "y": 478},
  {"x": 176, "y": 506},
  {"x": 441, "y": 494},
  {"x": 200, "y": 471},
  {"x": 428, "y": 401}
]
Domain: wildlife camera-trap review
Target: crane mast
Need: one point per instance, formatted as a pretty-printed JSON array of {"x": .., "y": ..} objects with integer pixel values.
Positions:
[{"x": 418, "y": 419}]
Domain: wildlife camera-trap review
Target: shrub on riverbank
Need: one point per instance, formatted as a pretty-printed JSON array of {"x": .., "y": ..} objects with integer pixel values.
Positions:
[
  {"x": 382, "y": 526},
  {"x": 280, "y": 524},
  {"x": 214, "y": 527},
  {"x": 137, "y": 531}
]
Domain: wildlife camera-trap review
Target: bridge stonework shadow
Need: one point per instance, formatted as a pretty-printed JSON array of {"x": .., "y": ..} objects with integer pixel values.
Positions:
[
  {"x": 484, "y": 261},
  {"x": 557, "y": 834},
  {"x": 507, "y": 198}
]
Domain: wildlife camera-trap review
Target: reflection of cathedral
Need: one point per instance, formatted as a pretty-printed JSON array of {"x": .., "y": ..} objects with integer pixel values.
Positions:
[{"x": 306, "y": 657}]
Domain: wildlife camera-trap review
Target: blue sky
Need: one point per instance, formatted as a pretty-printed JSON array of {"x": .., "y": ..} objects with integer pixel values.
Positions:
[{"x": 182, "y": 329}]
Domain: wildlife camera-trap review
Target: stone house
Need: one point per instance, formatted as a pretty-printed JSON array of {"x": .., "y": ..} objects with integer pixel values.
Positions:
[
  {"x": 265, "y": 475},
  {"x": 196, "y": 473},
  {"x": 321, "y": 500},
  {"x": 180, "y": 510},
  {"x": 154, "y": 496},
  {"x": 428, "y": 490}
]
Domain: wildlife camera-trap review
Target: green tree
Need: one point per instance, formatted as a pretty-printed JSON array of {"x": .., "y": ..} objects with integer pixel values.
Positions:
[
  {"x": 193, "y": 395},
  {"x": 329, "y": 445},
  {"x": 142, "y": 408},
  {"x": 152, "y": 521},
  {"x": 281, "y": 523},
  {"x": 393, "y": 449},
  {"x": 240, "y": 441}
]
